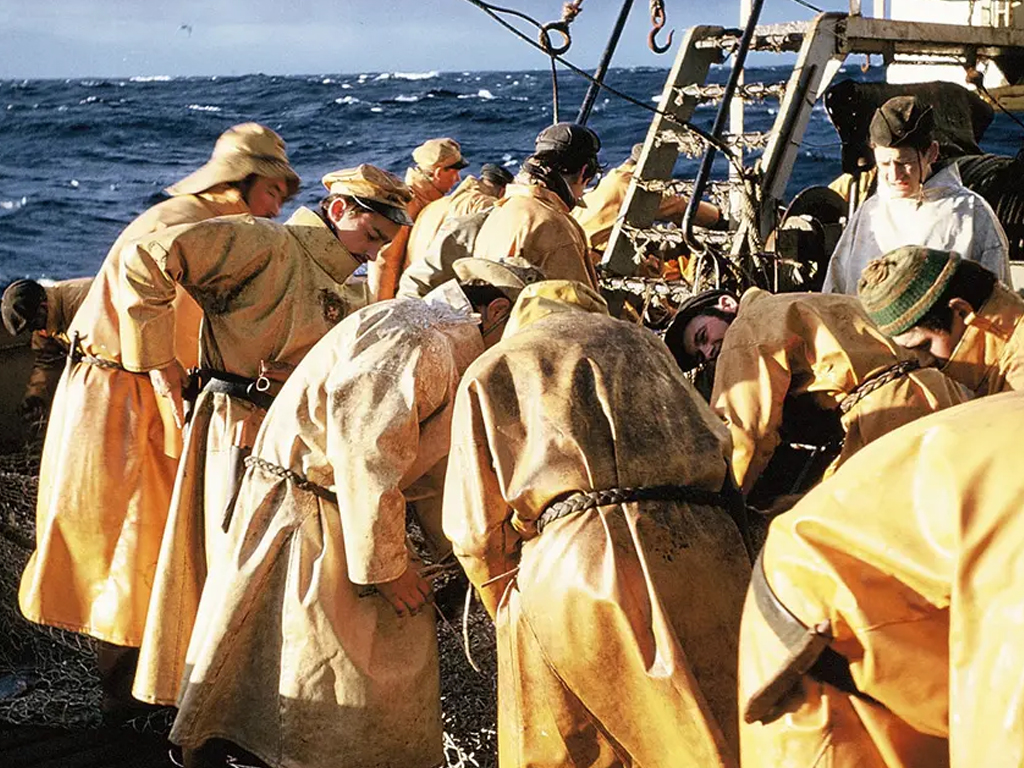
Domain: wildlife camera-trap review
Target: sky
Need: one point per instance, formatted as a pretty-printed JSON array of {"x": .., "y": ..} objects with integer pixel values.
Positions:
[{"x": 122, "y": 38}]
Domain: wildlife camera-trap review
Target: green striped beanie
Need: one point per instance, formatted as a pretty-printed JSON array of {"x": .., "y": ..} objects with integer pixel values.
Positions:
[{"x": 900, "y": 287}]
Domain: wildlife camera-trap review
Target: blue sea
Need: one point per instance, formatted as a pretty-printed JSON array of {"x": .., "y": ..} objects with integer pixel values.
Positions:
[{"x": 80, "y": 158}]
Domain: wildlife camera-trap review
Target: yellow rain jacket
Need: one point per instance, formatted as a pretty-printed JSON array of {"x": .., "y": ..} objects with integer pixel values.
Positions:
[
  {"x": 909, "y": 559},
  {"x": 780, "y": 346},
  {"x": 469, "y": 197},
  {"x": 616, "y": 626},
  {"x": 105, "y": 479},
  {"x": 269, "y": 292},
  {"x": 989, "y": 357},
  {"x": 50, "y": 346},
  {"x": 294, "y": 657},
  {"x": 533, "y": 223}
]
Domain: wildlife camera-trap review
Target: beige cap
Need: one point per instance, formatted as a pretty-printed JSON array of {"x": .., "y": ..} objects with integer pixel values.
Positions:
[
  {"x": 242, "y": 150},
  {"x": 509, "y": 275},
  {"x": 439, "y": 153},
  {"x": 374, "y": 189}
]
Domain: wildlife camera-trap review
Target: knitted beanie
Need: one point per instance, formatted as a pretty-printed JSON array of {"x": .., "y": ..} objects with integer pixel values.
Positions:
[{"x": 898, "y": 288}]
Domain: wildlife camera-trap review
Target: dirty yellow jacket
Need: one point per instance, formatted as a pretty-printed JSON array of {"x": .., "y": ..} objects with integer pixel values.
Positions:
[
  {"x": 293, "y": 655},
  {"x": 791, "y": 344},
  {"x": 469, "y": 197},
  {"x": 616, "y": 626},
  {"x": 989, "y": 357},
  {"x": 533, "y": 223},
  {"x": 909, "y": 557},
  {"x": 105, "y": 479},
  {"x": 50, "y": 346},
  {"x": 269, "y": 292}
]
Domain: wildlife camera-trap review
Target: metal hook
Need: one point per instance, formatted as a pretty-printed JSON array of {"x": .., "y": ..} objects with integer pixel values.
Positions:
[
  {"x": 658, "y": 23},
  {"x": 561, "y": 28}
]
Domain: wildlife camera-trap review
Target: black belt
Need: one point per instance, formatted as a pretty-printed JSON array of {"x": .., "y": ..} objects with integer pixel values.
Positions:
[
  {"x": 237, "y": 386},
  {"x": 880, "y": 379},
  {"x": 809, "y": 654}
]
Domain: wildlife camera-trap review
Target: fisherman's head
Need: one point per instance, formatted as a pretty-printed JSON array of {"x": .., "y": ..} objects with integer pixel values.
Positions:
[
  {"x": 24, "y": 307},
  {"x": 251, "y": 158},
  {"x": 901, "y": 139},
  {"x": 492, "y": 287},
  {"x": 695, "y": 335},
  {"x": 494, "y": 179},
  {"x": 365, "y": 207},
  {"x": 921, "y": 298},
  {"x": 441, "y": 161},
  {"x": 565, "y": 160}
]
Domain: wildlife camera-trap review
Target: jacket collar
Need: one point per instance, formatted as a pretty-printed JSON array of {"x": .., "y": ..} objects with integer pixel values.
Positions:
[
  {"x": 979, "y": 352},
  {"x": 321, "y": 244}
]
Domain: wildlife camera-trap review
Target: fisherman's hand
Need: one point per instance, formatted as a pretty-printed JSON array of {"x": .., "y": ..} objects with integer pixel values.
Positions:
[
  {"x": 169, "y": 383},
  {"x": 407, "y": 594}
]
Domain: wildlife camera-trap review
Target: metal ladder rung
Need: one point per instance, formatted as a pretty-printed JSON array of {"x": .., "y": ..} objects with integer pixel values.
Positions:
[
  {"x": 769, "y": 37},
  {"x": 712, "y": 94}
]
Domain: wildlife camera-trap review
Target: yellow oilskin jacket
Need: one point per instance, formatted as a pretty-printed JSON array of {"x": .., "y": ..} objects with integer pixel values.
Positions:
[
  {"x": 791, "y": 344},
  {"x": 106, "y": 477},
  {"x": 989, "y": 358},
  {"x": 50, "y": 346},
  {"x": 469, "y": 197},
  {"x": 269, "y": 292},
  {"x": 294, "y": 656},
  {"x": 909, "y": 559},
  {"x": 533, "y": 223},
  {"x": 616, "y": 626}
]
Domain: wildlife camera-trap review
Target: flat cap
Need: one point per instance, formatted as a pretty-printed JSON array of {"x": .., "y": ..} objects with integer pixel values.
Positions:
[
  {"x": 20, "y": 305},
  {"x": 903, "y": 121},
  {"x": 571, "y": 139},
  {"x": 439, "y": 153},
  {"x": 373, "y": 189},
  {"x": 509, "y": 274},
  {"x": 495, "y": 174}
]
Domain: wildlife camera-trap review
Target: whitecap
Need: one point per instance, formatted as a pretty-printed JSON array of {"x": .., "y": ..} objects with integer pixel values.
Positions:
[
  {"x": 383, "y": 76},
  {"x": 414, "y": 75},
  {"x": 408, "y": 99},
  {"x": 376, "y": 109},
  {"x": 203, "y": 108},
  {"x": 151, "y": 79},
  {"x": 74, "y": 183},
  {"x": 89, "y": 100},
  {"x": 483, "y": 93},
  {"x": 12, "y": 205},
  {"x": 326, "y": 81},
  {"x": 345, "y": 86},
  {"x": 347, "y": 100}
]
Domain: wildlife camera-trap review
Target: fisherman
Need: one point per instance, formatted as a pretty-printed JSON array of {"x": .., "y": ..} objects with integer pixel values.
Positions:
[
  {"x": 111, "y": 451},
  {"x": 801, "y": 353},
  {"x": 533, "y": 221},
  {"x": 46, "y": 311},
  {"x": 471, "y": 196},
  {"x": 438, "y": 163},
  {"x": 269, "y": 292},
  {"x": 312, "y": 646},
  {"x": 883, "y": 622},
  {"x": 595, "y": 530},
  {"x": 952, "y": 311},
  {"x": 913, "y": 205}
]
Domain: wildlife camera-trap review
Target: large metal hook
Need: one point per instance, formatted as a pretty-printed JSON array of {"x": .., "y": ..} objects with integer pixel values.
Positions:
[{"x": 657, "y": 24}]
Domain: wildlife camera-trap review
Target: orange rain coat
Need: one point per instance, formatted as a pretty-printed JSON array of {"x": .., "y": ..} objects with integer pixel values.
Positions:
[
  {"x": 909, "y": 559},
  {"x": 105, "y": 479},
  {"x": 616, "y": 626},
  {"x": 269, "y": 292},
  {"x": 989, "y": 357},
  {"x": 779, "y": 346},
  {"x": 50, "y": 346},
  {"x": 469, "y": 197},
  {"x": 293, "y": 657},
  {"x": 533, "y": 223}
]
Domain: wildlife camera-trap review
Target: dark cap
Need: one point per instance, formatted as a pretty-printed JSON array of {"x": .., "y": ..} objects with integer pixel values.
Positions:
[
  {"x": 570, "y": 139},
  {"x": 20, "y": 306},
  {"x": 903, "y": 121},
  {"x": 495, "y": 174},
  {"x": 689, "y": 309}
]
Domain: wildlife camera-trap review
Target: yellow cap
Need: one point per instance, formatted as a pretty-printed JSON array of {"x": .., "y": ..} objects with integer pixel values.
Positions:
[
  {"x": 373, "y": 189},
  {"x": 439, "y": 153}
]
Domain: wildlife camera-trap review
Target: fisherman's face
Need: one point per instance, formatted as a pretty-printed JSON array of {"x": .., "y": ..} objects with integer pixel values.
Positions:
[
  {"x": 702, "y": 337},
  {"x": 904, "y": 169},
  {"x": 363, "y": 232},
  {"x": 446, "y": 178},
  {"x": 932, "y": 346},
  {"x": 266, "y": 196}
]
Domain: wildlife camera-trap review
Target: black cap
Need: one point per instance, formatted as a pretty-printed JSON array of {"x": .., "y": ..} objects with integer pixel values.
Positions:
[
  {"x": 571, "y": 139},
  {"x": 20, "y": 305},
  {"x": 689, "y": 309},
  {"x": 495, "y": 174},
  {"x": 902, "y": 121}
]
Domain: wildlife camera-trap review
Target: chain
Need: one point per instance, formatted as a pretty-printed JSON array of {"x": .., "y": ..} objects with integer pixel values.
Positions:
[
  {"x": 713, "y": 93},
  {"x": 694, "y": 145}
]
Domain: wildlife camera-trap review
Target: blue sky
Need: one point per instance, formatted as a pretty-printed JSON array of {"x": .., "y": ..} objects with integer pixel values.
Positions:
[{"x": 119, "y": 38}]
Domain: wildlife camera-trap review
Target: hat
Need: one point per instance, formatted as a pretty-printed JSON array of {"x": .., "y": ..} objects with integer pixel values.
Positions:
[
  {"x": 495, "y": 174},
  {"x": 900, "y": 287},
  {"x": 372, "y": 189},
  {"x": 439, "y": 153},
  {"x": 571, "y": 139},
  {"x": 902, "y": 121},
  {"x": 509, "y": 275},
  {"x": 19, "y": 307},
  {"x": 242, "y": 150},
  {"x": 691, "y": 307}
]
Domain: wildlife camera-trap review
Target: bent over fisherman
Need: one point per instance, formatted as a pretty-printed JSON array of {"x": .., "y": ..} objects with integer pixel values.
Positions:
[
  {"x": 268, "y": 292},
  {"x": 312, "y": 647},
  {"x": 595, "y": 529},
  {"x": 883, "y": 626},
  {"x": 111, "y": 450}
]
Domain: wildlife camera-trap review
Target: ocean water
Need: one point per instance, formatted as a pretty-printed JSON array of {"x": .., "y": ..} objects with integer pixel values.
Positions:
[{"x": 80, "y": 158}]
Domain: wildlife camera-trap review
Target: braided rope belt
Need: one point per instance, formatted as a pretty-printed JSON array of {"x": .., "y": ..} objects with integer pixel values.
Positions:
[
  {"x": 866, "y": 387},
  {"x": 76, "y": 355},
  {"x": 300, "y": 481},
  {"x": 584, "y": 500}
]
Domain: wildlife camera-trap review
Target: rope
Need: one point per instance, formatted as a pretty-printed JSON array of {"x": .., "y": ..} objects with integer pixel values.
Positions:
[
  {"x": 865, "y": 388},
  {"x": 300, "y": 481}
]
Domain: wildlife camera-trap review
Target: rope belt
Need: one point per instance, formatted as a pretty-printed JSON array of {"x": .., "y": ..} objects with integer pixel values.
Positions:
[
  {"x": 880, "y": 379},
  {"x": 584, "y": 500},
  {"x": 76, "y": 355},
  {"x": 300, "y": 481},
  {"x": 238, "y": 386}
]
